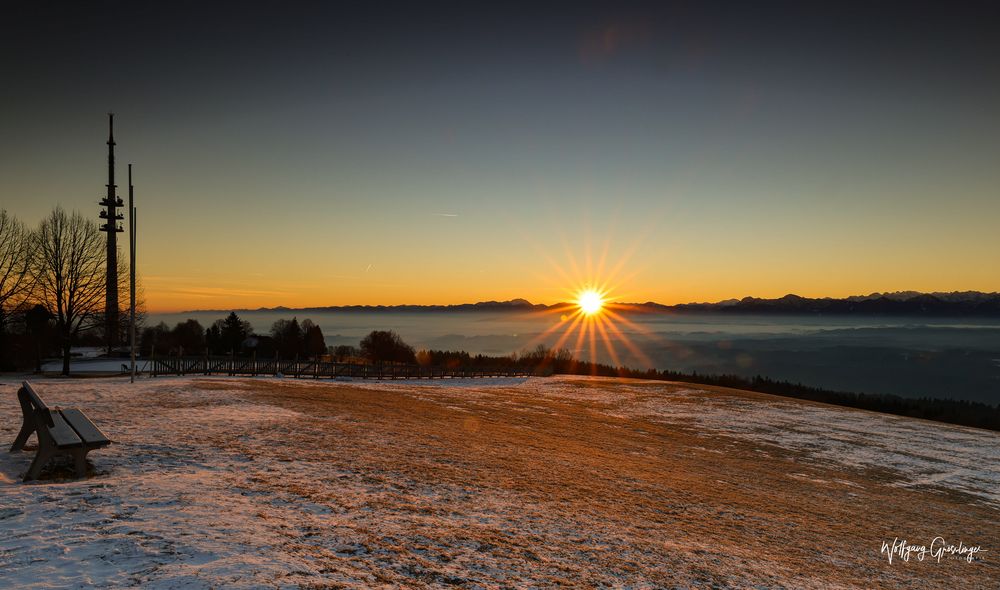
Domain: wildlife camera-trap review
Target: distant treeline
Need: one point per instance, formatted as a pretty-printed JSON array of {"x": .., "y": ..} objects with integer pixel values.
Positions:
[
  {"x": 547, "y": 361},
  {"x": 287, "y": 339},
  {"x": 233, "y": 336}
]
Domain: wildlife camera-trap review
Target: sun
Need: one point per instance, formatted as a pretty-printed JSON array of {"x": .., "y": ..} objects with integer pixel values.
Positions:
[
  {"x": 590, "y": 321},
  {"x": 590, "y": 302}
]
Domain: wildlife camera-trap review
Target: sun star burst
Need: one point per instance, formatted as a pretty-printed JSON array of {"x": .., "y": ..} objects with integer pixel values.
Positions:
[{"x": 590, "y": 302}]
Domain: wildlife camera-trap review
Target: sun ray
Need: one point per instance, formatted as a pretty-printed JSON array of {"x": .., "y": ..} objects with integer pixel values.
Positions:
[
  {"x": 627, "y": 343},
  {"x": 607, "y": 342},
  {"x": 574, "y": 267},
  {"x": 580, "y": 339},
  {"x": 545, "y": 334},
  {"x": 606, "y": 250},
  {"x": 642, "y": 330},
  {"x": 593, "y": 345},
  {"x": 562, "y": 339},
  {"x": 563, "y": 274}
]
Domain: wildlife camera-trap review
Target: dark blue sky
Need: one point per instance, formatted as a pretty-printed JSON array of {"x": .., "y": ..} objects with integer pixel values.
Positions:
[{"x": 721, "y": 148}]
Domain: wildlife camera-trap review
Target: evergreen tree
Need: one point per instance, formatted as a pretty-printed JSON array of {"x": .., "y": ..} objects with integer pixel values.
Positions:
[
  {"x": 213, "y": 338},
  {"x": 234, "y": 331},
  {"x": 313, "y": 343},
  {"x": 287, "y": 337}
]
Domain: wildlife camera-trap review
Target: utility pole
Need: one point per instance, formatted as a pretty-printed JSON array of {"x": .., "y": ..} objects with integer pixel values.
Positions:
[{"x": 131, "y": 268}]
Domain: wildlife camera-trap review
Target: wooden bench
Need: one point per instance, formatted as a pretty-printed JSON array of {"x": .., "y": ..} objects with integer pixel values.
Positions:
[{"x": 60, "y": 433}]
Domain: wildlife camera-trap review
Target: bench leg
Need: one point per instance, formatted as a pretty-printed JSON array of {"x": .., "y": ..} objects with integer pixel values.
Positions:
[
  {"x": 41, "y": 458},
  {"x": 80, "y": 462},
  {"x": 22, "y": 437}
]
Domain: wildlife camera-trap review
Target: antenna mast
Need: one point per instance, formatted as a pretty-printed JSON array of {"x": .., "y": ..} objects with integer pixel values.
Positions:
[{"x": 111, "y": 217}]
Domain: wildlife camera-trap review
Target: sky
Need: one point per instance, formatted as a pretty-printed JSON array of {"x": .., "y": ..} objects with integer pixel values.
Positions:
[{"x": 310, "y": 154}]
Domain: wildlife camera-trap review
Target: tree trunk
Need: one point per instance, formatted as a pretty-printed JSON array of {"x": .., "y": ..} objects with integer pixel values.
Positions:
[{"x": 66, "y": 348}]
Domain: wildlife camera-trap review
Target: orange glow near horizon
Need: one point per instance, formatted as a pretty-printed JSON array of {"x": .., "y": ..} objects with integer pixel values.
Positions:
[{"x": 539, "y": 261}]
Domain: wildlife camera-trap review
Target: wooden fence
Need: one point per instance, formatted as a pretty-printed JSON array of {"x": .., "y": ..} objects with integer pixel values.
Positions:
[{"x": 316, "y": 369}]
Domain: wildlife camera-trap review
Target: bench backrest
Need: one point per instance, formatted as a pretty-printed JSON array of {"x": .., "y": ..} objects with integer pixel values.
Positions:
[{"x": 32, "y": 405}]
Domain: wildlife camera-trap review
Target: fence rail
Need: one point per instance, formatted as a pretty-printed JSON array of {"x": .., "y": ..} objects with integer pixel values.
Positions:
[{"x": 316, "y": 369}]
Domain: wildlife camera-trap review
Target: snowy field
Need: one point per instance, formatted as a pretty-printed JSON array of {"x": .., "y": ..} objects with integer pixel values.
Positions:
[
  {"x": 94, "y": 365},
  {"x": 261, "y": 483}
]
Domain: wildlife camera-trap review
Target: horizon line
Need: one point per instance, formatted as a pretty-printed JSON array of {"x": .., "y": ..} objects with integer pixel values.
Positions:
[{"x": 522, "y": 302}]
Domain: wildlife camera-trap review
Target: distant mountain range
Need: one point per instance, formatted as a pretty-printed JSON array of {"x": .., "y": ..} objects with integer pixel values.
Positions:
[
  {"x": 512, "y": 305},
  {"x": 964, "y": 303}
]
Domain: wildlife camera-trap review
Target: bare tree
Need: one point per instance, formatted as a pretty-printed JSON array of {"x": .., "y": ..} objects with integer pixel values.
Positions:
[
  {"x": 68, "y": 273},
  {"x": 15, "y": 255},
  {"x": 98, "y": 319}
]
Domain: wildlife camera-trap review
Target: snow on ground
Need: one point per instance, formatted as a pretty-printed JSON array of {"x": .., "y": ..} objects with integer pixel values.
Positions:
[
  {"x": 94, "y": 365},
  {"x": 917, "y": 452},
  {"x": 248, "y": 483}
]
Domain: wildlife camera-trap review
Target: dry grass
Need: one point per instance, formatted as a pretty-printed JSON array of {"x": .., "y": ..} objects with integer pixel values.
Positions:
[{"x": 562, "y": 490}]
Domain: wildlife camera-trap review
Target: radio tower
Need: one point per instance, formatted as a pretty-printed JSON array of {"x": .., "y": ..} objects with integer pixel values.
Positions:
[{"x": 111, "y": 217}]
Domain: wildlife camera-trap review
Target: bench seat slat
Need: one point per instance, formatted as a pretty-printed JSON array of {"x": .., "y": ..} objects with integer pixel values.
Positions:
[
  {"x": 62, "y": 433},
  {"x": 85, "y": 428}
]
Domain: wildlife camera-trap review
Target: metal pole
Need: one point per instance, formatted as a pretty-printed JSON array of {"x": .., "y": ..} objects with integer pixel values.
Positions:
[{"x": 131, "y": 267}]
